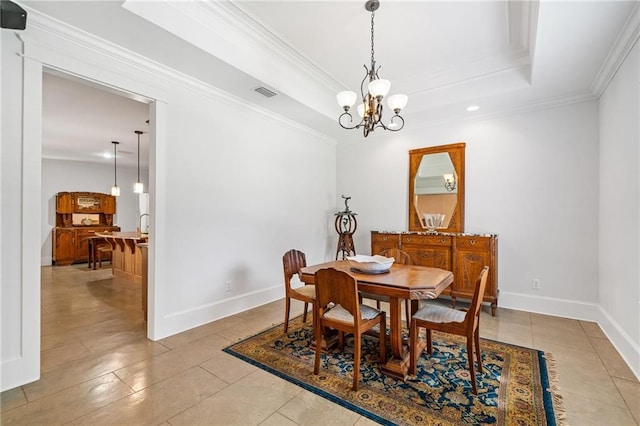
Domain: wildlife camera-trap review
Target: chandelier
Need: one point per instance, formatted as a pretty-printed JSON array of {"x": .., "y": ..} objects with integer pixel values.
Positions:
[{"x": 370, "y": 110}]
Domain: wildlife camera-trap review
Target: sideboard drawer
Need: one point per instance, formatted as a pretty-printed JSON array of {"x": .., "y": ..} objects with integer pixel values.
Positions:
[
  {"x": 385, "y": 238},
  {"x": 83, "y": 232},
  {"x": 432, "y": 240},
  {"x": 473, "y": 242}
]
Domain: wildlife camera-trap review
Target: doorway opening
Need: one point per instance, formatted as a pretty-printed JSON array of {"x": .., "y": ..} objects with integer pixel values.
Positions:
[{"x": 83, "y": 310}]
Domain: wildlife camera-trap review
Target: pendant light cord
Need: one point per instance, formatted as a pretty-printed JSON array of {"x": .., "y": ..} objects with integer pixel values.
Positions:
[
  {"x": 138, "y": 156},
  {"x": 115, "y": 165}
]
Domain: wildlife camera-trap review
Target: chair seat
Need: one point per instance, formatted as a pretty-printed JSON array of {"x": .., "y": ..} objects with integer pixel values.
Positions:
[
  {"x": 437, "y": 313},
  {"x": 307, "y": 291},
  {"x": 339, "y": 313}
]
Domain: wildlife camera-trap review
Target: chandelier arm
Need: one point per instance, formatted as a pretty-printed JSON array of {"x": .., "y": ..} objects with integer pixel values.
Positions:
[
  {"x": 397, "y": 128},
  {"x": 366, "y": 76},
  {"x": 350, "y": 121},
  {"x": 376, "y": 72}
]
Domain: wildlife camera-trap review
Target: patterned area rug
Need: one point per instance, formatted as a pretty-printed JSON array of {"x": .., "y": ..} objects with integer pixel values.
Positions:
[{"x": 516, "y": 387}]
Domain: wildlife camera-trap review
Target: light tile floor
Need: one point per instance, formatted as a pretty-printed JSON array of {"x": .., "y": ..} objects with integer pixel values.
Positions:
[{"x": 99, "y": 368}]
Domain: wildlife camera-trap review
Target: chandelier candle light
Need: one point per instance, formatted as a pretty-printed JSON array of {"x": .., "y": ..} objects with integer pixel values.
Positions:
[
  {"x": 115, "y": 189},
  {"x": 138, "y": 187},
  {"x": 370, "y": 110}
]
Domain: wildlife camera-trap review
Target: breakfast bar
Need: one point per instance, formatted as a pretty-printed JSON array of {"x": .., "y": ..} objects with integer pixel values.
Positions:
[{"x": 126, "y": 257}]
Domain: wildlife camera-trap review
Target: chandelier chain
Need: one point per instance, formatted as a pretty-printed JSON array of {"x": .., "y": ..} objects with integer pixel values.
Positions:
[{"x": 373, "y": 61}]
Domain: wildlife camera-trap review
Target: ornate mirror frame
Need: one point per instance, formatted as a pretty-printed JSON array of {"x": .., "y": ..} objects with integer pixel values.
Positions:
[{"x": 456, "y": 153}]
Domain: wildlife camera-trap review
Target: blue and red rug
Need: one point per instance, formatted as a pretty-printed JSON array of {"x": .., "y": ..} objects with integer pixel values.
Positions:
[{"x": 516, "y": 387}]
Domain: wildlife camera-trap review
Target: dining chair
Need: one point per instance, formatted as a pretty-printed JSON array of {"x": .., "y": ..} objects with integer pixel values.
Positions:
[
  {"x": 432, "y": 316},
  {"x": 401, "y": 258},
  {"x": 338, "y": 307},
  {"x": 292, "y": 262}
]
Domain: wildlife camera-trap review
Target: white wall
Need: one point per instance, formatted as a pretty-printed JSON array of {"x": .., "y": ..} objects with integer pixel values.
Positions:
[
  {"x": 619, "y": 225},
  {"x": 232, "y": 187},
  {"x": 62, "y": 175},
  {"x": 20, "y": 214},
  {"x": 531, "y": 178},
  {"x": 243, "y": 189}
]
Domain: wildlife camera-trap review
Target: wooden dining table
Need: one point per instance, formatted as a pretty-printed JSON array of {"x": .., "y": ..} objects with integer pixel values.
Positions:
[{"x": 401, "y": 282}]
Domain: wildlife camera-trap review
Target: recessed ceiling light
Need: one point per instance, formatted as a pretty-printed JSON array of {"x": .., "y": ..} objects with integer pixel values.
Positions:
[{"x": 472, "y": 108}]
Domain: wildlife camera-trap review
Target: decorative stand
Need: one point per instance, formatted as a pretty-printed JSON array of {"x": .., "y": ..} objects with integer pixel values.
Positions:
[{"x": 346, "y": 225}]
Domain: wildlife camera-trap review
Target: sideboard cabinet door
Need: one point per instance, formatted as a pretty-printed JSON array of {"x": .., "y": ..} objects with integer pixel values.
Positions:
[
  {"x": 109, "y": 204},
  {"x": 64, "y": 203},
  {"x": 471, "y": 254},
  {"x": 428, "y": 250},
  {"x": 64, "y": 251}
]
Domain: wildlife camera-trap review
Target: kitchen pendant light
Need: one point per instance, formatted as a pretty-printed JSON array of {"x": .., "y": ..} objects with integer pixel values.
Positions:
[
  {"x": 370, "y": 110},
  {"x": 115, "y": 189},
  {"x": 138, "y": 187}
]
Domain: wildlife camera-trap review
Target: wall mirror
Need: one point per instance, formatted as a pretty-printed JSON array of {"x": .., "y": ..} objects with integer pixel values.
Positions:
[{"x": 436, "y": 188}]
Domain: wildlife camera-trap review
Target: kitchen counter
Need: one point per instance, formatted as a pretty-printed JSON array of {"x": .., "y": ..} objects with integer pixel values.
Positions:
[{"x": 126, "y": 259}]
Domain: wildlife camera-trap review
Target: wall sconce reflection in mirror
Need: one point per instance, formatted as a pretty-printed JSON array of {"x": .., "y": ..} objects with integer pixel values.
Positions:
[{"x": 449, "y": 181}]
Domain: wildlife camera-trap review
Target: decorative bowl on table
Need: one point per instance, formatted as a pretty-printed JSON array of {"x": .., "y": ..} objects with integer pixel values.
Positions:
[{"x": 370, "y": 264}]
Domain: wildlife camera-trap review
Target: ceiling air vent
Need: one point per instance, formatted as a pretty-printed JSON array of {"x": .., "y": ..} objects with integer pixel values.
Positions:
[{"x": 264, "y": 91}]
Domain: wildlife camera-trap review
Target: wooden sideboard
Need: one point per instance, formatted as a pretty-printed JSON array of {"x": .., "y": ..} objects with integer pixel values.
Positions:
[
  {"x": 463, "y": 254},
  {"x": 70, "y": 238},
  {"x": 71, "y": 244}
]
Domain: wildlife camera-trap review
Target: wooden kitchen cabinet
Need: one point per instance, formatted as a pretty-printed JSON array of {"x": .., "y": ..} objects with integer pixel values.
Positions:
[
  {"x": 71, "y": 234},
  {"x": 64, "y": 250},
  {"x": 88, "y": 202},
  {"x": 463, "y": 254},
  {"x": 109, "y": 204},
  {"x": 64, "y": 202},
  {"x": 71, "y": 244}
]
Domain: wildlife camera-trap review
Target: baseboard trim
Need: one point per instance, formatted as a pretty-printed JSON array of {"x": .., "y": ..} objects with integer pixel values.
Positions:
[
  {"x": 550, "y": 306},
  {"x": 46, "y": 261},
  {"x": 585, "y": 311},
  {"x": 177, "y": 322},
  {"x": 17, "y": 372},
  {"x": 628, "y": 350}
]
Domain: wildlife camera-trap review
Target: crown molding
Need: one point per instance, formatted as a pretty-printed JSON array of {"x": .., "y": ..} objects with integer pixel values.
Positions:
[
  {"x": 618, "y": 53},
  {"x": 43, "y": 30},
  {"x": 220, "y": 29},
  {"x": 234, "y": 15},
  {"x": 521, "y": 19}
]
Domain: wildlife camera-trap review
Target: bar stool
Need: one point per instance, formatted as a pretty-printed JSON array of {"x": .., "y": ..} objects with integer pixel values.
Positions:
[{"x": 104, "y": 248}]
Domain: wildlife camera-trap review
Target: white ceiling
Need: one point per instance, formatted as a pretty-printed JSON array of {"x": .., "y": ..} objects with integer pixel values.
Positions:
[
  {"x": 500, "y": 55},
  {"x": 80, "y": 120}
]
